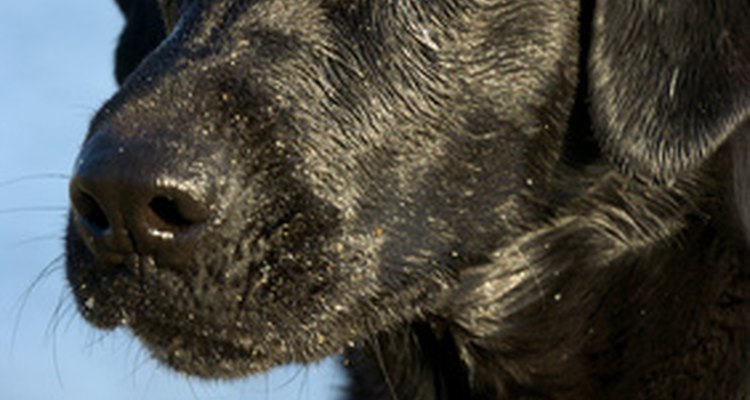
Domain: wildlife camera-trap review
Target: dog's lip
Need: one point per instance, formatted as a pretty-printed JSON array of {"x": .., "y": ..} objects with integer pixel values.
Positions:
[
  {"x": 186, "y": 349},
  {"x": 183, "y": 327},
  {"x": 133, "y": 292},
  {"x": 147, "y": 327},
  {"x": 96, "y": 310},
  {"x": 131, "y": 303}
]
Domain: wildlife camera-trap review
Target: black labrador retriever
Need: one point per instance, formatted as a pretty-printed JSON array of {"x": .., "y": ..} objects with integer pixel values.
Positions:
[{"x": 468, "y": 199}]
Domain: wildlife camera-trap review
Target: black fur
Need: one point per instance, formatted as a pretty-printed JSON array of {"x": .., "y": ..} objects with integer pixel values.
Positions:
[{"x": 469, "y": 199}]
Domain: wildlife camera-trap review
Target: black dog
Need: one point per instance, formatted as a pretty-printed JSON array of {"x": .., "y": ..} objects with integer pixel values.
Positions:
[{"x": 500, "y": 199}]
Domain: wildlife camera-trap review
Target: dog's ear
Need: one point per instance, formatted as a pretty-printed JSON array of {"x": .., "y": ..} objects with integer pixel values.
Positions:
[
  {"x": 669, "y": 81},
  {"x": 144, "y": 30},
  {"x": 170, "y": 12}
]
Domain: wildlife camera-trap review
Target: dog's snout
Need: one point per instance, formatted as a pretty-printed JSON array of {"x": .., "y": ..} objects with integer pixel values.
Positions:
[
  {"x": 101, "y": 204},
  {"x": 134, "y": 198}
]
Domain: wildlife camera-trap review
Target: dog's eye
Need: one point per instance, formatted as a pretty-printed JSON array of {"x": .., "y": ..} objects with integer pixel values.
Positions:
[{"x": 170, "y": 12}]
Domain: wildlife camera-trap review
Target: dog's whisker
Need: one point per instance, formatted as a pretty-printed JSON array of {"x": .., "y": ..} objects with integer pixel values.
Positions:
[
  {"x": 267, "y": 387},
  {"x": 151, "y": 378},
  {"x": 64, "y": 307},
  {"x": 299, "y": 369},
  {"x": 56, "y": 363},
  {"x": 95, "y": 339},
  {"x": 32, "y": 209},
  {"x": 193, "y": 392},
  {"x": 37, "y": 239},
  {"x": 141, "y": 360},
  {"x": 376, "y": 349},
  {"x": 34, "y": 177},
  {"x": 53, "y": 266},
  {"x": 303, "y": 384}
]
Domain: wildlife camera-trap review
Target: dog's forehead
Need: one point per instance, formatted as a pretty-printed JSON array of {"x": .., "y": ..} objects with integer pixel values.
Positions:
[
  {"x": 235, "y": 20},
  {"x": 504, "y": 51},
  {"x": 495, "y": 22}
]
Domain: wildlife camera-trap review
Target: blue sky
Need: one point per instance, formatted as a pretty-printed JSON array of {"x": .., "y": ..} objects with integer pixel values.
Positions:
[{"x": 55, "y": 69}]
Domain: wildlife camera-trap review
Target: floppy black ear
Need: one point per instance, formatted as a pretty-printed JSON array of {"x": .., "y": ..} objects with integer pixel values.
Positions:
[
  {"x": 144, "y": 30},
  {"x": 669, "y": 81}
]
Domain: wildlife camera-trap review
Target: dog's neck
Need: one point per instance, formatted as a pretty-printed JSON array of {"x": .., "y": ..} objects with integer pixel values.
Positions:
[
  {"x": 421, "y": 362},
  {"x": 414, "y": 362},
  {"x": 612, "y": 344}
]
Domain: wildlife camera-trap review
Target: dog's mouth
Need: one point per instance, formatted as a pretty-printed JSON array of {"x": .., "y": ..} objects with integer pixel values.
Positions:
[
  {"x": 230, "y": 313},
  {"x": 196, "y": 348}
]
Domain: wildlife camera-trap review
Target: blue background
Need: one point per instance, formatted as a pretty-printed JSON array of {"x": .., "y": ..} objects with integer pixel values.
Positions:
[{"x": 55, "y": 70}]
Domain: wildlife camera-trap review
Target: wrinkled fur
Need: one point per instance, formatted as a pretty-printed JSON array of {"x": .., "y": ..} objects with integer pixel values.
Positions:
[{"x": 468, "y": 199}]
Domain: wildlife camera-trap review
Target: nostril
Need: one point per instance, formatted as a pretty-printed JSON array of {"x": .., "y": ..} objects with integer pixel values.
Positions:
[
  {"x": 178, "y": 212},
  {"x": 88, "y": 208},
  {"x": 168, "y": 211}
]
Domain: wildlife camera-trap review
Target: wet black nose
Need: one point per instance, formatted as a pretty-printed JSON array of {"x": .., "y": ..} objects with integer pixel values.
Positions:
[{"x": 146, "y": 197}]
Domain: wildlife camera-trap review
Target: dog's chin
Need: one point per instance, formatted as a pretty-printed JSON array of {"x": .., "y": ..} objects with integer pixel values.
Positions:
[
  {"x": 207, "y": 354},
  {"x": 187, "y": 332},
  {"x": 202, "y": 348}
]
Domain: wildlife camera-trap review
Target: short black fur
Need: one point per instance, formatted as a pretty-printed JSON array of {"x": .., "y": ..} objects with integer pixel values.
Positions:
[{"x": 465, "y": 199}]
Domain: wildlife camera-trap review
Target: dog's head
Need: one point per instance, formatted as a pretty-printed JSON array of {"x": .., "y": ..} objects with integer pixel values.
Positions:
[{"x": 278, "y": 179}]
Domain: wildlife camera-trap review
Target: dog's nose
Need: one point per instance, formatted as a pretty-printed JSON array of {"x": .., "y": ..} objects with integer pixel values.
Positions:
[{"x": 139, "y": 197}]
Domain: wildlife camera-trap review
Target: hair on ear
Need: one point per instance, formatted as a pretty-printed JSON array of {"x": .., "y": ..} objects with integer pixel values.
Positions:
[
  {"x": 144, "y": 30},
  {"x": 669, "y": 81},
  {"x": 170, "y": 13}
]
